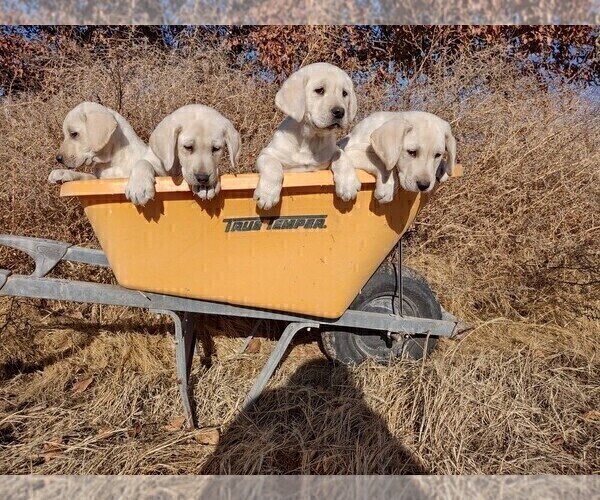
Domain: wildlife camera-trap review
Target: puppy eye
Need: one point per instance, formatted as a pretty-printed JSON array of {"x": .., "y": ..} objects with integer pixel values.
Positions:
[
  {"x": 74, "y": 135},
  {"x": 188, "y": 147},
  {"x": 216, "y": 148},
  {"x": 320, "y": 91},
  {"x": 412, "y": 152},
  {"x": 438, "y": 155},
  {"x": 344, "y": 93}
]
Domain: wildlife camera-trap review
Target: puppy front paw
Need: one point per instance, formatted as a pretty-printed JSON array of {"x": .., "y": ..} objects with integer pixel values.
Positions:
[
  {"x": 384, "y": 193},
  {"x": 140, "y": 189},
  {"x": 347, "y": 185},
  {"x": 266, "y": 196},
  {"x": 60, "y": 175}
]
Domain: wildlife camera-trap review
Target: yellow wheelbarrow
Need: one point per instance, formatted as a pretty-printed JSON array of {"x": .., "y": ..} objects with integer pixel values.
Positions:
[{"x": 313, "y": 261}]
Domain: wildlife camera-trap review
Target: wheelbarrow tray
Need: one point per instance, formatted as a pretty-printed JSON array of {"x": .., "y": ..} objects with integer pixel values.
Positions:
[{"x": 309, "y": 255}]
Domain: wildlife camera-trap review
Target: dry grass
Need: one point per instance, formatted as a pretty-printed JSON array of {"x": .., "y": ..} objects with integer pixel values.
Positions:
[
  {"x": 511, "y": 398},
  {"x": 512, "y": 248}
]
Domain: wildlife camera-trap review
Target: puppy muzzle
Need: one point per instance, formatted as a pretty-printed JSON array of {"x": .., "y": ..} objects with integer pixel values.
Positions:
[
  {"x": 202, "y": 181},
  {"x": 70, "y": 162}
]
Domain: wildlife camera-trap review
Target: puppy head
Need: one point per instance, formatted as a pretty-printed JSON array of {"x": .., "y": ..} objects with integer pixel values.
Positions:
[
  {"x": 190, "y": 142},
  {"x": 321, "y": 94},
  {"x": 88, "y": 128},
  {"x": 415, "y": 146}
]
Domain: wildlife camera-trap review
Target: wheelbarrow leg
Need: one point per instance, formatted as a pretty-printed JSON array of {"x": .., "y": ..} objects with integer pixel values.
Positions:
[
  {"x": 284, "y": 341},
  {"x": 185, "y": 342}
]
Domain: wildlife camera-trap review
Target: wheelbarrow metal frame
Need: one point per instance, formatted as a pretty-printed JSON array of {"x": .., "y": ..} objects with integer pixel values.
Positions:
[{"x": 48, "y": 253}]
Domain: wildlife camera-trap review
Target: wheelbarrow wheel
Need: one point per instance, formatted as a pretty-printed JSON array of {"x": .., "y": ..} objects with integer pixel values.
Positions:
[{"x": 352, "y": 347}]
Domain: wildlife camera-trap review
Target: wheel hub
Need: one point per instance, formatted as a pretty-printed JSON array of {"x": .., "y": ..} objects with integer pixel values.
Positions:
[{"x": 377, "y": 342}]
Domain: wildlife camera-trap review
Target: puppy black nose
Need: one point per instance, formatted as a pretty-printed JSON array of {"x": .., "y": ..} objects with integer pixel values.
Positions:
[
  {"x": 423, "y": 186},
  {"x": 202, "y": 178},
  {"x": 338, "y": 112},
  {"x": 59, "y": 158}
]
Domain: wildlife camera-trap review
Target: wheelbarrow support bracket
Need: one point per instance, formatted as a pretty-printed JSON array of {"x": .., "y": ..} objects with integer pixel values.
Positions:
[
  {"x": 185, "y": 342},
  {"x": 263, "y": 378},
  {"x": 399, "y": 282}
]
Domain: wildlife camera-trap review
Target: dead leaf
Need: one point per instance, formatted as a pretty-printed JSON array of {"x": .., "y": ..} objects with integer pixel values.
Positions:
[
  {"x": 50, "y": 455},
  {"x": 81, "y": 385},
  {"x": 53, "y": 448},
  {"x": 55, "y": 444},
  {"x": 591, "y": 415},
  {"x": 208, "y": 436},
  {"x": 253, "y": 346},
  {"x": 175, "y": 424},
  {"x": 558, "y": 441}
]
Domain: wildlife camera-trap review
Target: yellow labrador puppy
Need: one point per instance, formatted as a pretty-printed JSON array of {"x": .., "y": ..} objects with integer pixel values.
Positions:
[
  {"x": 317, "y": 99},
  {"x": 97, "y": 136},
  {"x": 189, "y": 142},
  {"x": 404, "y": 148}
]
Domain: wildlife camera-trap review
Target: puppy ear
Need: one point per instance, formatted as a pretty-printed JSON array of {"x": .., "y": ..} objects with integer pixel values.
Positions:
[
  {"x": 163, "y": 142},
  {"x": 353, "y": 108},
  {"x": 100, "y": 127},
  {"x": 451, "y": 149},
  {"x": 387, "y": 141},
  {"x": 234, "y": 143},
  {"x": 291, "y": 98}
]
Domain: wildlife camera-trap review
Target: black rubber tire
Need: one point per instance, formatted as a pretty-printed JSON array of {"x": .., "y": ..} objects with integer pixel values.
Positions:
[{"x": 352, "y": 347}]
